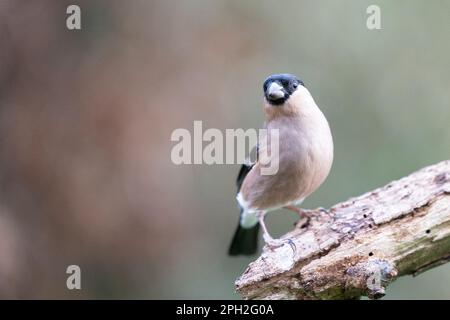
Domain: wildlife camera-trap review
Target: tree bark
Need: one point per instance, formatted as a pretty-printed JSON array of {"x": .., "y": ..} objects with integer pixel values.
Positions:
[{"x": 359, "y": 246}]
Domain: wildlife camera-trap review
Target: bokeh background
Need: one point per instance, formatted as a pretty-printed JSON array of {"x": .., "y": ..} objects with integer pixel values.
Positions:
[{"x": 86, "y": 118}]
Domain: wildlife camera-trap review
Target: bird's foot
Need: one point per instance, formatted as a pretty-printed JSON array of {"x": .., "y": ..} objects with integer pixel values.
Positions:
[
  {"x": 273, "y": 244},
  {"x": 306, "y": 213},
  {"x": 311, "y": 213},
  {"x": 306, "y": 216}
]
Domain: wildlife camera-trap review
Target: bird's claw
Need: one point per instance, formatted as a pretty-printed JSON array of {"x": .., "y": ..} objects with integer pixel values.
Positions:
[
  {"x": 277, "y": 243},
  {"x": 293, "y": 246}
]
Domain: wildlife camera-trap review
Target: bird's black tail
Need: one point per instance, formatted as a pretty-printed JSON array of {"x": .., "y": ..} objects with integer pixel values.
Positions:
[{"x": 245, "y": 241}]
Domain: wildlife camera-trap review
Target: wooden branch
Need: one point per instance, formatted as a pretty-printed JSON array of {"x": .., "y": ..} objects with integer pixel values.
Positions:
[{"x": 360, "y": 245}]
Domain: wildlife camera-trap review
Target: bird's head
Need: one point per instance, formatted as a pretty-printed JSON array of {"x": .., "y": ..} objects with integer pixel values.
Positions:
[
  {"x": 279, "y": 87},
  {"x": 284, "y": 94}
]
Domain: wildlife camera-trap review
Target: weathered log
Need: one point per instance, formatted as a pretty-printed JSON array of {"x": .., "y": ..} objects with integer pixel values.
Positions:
[{"x": 359, "y": 246}]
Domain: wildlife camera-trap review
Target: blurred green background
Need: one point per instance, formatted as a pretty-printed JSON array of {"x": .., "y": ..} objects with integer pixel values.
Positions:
[{"x": 86, "y": 118}]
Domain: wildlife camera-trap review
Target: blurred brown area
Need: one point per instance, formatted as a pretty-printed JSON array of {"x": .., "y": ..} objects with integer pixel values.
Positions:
[{"x": 86, "y": 118}]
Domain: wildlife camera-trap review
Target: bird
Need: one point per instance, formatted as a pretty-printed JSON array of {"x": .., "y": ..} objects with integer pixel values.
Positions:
[{"x": 305, "y": 158}]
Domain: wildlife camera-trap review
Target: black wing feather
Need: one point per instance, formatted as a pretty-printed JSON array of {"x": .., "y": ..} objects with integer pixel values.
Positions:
[{"x": 245, "y": 169}]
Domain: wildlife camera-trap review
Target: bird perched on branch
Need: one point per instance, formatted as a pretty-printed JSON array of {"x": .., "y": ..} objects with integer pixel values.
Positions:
[{"x": 304, "y": 155}]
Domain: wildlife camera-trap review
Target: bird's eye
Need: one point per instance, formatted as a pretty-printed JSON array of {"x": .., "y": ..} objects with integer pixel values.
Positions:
[{"x": 295, "y": 85}]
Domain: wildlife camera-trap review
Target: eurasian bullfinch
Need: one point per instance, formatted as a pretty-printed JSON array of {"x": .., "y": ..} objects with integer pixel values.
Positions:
[{"x": 305, "y": 157}]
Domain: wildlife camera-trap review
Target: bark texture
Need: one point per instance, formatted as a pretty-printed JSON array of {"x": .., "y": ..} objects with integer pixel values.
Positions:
[{"x": 360, "y": 245}]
